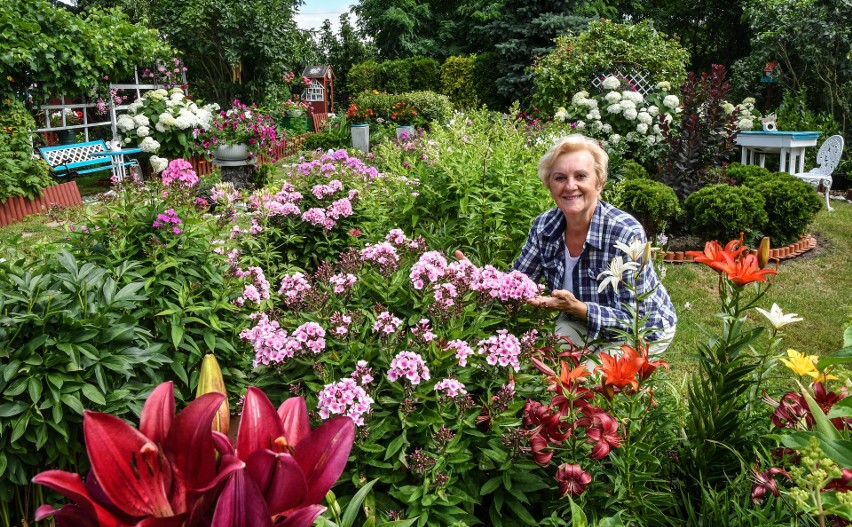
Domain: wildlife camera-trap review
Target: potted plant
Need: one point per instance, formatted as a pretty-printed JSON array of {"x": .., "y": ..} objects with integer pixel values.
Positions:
[
  {"x": 71, "y": 118},
  {"x": 360, "y": 119},
  {"x": 403, "y": 115},
  {"x": 240, "y": 134}
]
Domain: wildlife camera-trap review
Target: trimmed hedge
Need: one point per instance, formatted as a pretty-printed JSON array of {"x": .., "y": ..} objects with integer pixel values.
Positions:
[
  {"x": 654, "y": 204},
  {"x": 721, "y": 212},
  {"x": 395, "y": 76},
  {"x": 791, "y": 205},
  {"x": 457, "y": 81}
]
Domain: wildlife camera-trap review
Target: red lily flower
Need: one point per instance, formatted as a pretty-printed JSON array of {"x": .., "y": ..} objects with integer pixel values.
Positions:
[
  {"x": 841, "y": 484},
  {"x": 538, "y": 445},
  {"x": 602, "y": 429},
  {"x": 167, "y": 474},
  {"x": 826, "y": 400},
  {"x": 572, "y": 479},
  {"x": 765, "y": 482},
  {"x": 713, "y": 253},
  {"x": 621, "y": 371},
  {"x": 649, "y": 366},
  {"x": 791, "y": 411}
]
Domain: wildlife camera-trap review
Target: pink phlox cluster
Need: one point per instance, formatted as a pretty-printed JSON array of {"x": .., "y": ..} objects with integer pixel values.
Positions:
[
  {"x": 271, "y": 343},
  {"x": 235, "y": 232},
  {"x": 180, "y": 171},
  {"x": 274, "y": 204},
  {"x": 382, "y": 254},
  {"x": 327, "y": 165},
  {"x": 317, "y": 216},
  {"x": 255, "y": 228},
  {"x": 218, "y": 247},
  {"x": 340, "y": 323},
  {"x": 257, "y": 290},
  {"x": 445, "y": 295},
  {"x": 344, "y": 397},
  {"x": 501, "y": 349},
  {"x": 224, "y": 194},
  {"x": 409, "y": 366},
  {"x": 528, "y": 340},
  {"x": 450, "y": 388},
  {"x": 293, "y": 287},
  {"x": 386, "y": 323},
  {"x": 333, "y": 186},
  {"x": 463, "y": 273},
  {"x": 507, "y": 287},
  {"x": 342, "y": 282},
  {"x": 166, "y": 218},
  {"x": 423, "y": 331},
  {"x": 398, "y": 239},
  {"x": 234, "y": 258},
  {"x": 463, "y": 351},
  {"x": 312, "y": 336},
  {"x": 487, "y": 279},
  {"x": 431, "y": 266},
  {"x": 363, "y": 373},
  {"x": 341, "y": 208}
]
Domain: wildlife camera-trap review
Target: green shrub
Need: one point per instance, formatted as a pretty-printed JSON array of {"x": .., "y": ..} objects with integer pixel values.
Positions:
[
  {"x": 630, "y": 169},
  {"x": 740, "y": 174},
  {"x": 425, "y": 74},
  {"x": 654, "y": 204},
  {"x": 485, "y": 64},
  {"x": 20, "y": 175},
  {"x": 337, "y": 136},
  {"x": 430, "y": 106},
  {"x": 394, "y": 76},
  {"x": 721, "y": 212},
  {"x": 791, "y": 205},
  {"x": 457, "y": 81},
  {"x": 363, "y": 77},
  {"x": 605, "y": 45}
]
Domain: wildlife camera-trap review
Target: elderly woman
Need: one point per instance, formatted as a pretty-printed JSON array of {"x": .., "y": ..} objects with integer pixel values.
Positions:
[{"x": 572, "y": 244}]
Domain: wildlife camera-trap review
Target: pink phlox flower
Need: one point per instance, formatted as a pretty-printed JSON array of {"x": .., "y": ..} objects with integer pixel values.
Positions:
[
  {"x": 397, "y": 238},
  {"x": 450, "y": 388},
  {"x": 445, "y": 295},
  {"x": 408, "y": 365},
  {"x": 501, "y": 350},
  {"x": 312, "y": 337},
  {"x": 322, "y": 191},
  {"x": 383, "y": 254},
  {"x": 317, "y": 216},
  {"x": 386, "y": 323},
  {"x": 363, "y": 374},
  {"x": 340, "y": 323},
  {"x": 431, "y": 266},
  {"x": 344, "y": 397},
  {"x": 463, "y": 351},
  {"x": 293, "y": 288},
  {"x": 343, "y": 282},
  {"x": 180, "y": 171},
  {"x": 341, "y": 208},
  {"x": 255, "y": 228},
  {"x": 423, "y": 331},
  {"x": 529, "y": 339}
]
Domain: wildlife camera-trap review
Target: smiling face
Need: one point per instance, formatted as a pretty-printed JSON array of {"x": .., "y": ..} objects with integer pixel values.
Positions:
[{"x": 574, "y": 185}]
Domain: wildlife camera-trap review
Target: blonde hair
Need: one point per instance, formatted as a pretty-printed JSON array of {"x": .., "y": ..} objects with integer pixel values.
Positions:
[{"x": 569, "y": 144}]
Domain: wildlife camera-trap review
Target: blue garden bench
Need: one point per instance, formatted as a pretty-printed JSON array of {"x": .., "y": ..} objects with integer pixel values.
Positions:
[{"x": 65, "y": 160}]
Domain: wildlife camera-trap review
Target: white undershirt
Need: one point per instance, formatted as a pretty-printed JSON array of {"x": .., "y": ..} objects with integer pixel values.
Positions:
[{"x": 570, "y": 264}]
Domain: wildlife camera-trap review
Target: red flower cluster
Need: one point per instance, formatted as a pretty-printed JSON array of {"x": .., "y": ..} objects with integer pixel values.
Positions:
[
  {"x": 734, "y": 260},
  {"x": 359, "y": 115}
]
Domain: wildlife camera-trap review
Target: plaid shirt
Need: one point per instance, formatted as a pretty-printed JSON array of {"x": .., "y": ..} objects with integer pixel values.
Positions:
[{"x": 544, "y": 255}]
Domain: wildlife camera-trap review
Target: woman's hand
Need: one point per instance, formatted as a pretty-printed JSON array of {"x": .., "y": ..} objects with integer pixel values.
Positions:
[
  {"x": 460, "y": 256},
  {"x": 561, "y": 300}
]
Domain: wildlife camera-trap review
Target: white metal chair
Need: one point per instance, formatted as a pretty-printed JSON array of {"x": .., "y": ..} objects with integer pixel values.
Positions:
[{"x": 827, "y": 158}]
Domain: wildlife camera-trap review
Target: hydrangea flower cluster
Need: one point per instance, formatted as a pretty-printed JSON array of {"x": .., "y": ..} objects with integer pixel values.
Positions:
[
  {"x": 501, "y": 350},
  {"x": 463, "y": 351},
  {"x": 344, "y": 397},
  {"x": 181, "y": 173},
  {"x": 257, "y": 290},
  {"x": 386, "y": 324},
  {"x": 293, "y": 287},
  {"x": 410, "y": 366},
  {"x": 450, "y": 388},
  {"x": 168, "y": 217}
]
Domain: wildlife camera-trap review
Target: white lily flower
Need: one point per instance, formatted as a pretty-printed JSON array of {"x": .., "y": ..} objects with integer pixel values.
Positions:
[
  {"x": 777, "y": 318},
  {"x": 634, "y": 250},
  {"x": 613, "y": 275}
]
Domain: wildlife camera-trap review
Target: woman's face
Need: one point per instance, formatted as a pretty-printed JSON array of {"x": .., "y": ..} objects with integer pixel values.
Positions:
[{"x": 574, "y": 185}]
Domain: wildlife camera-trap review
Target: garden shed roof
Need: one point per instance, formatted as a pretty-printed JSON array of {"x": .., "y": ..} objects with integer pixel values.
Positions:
[{"x": 315, "y": 72}]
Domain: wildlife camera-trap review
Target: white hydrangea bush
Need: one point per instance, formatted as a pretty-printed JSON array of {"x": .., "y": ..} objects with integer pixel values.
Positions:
[
  {"x": 164, "y": 123},
  {"x": 622, "y": 119}
]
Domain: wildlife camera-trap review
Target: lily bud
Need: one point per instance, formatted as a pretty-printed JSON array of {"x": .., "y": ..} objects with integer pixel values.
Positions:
[
  {"x": 763, "y": 253},
  {"x": 210, "y": 381},
  {"x": 646, "y": 255}
]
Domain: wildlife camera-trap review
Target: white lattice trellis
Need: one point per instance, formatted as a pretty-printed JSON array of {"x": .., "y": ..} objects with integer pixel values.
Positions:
[
  {"x": 75, "y": 154},
  {"x": 630, "y": 76}
]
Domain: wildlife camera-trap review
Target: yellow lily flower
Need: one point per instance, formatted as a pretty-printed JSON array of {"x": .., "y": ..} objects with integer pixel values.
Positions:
[
  {"x": 821, "y": 376},
  {"x": 800, "y": 363}
]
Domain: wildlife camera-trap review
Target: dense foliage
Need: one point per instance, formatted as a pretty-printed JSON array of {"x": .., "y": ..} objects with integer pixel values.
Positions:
[
  {"x": 430, "y": 106},
  {"x": 719, "y": 212},
  {"x": 654, "y": 204},
  {"x": 395, "y": 76},
  {"x": 20, "y": 174},
  {"x": 791, "y": 205}
]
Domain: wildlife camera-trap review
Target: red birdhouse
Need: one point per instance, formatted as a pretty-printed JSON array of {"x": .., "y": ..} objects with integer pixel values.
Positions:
[{"x": 320, "y": 92}]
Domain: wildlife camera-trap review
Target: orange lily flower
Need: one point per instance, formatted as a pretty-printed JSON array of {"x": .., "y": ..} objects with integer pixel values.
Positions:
[
  {"x": 714, "y": 253},
  {"x": 621, "y": 371},
  {"x": 742, "y": 271},
  {"x": 650, "y": 365},
  {"x": 567, "y": 376}
]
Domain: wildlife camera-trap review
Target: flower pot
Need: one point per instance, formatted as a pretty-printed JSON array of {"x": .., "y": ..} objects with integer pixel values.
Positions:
[
  {"x": 404, "y": 132},
  {"x": 66, "y": 137},
  {"x": 238, "y": 152},
  {"x": 361, "y": 137}
]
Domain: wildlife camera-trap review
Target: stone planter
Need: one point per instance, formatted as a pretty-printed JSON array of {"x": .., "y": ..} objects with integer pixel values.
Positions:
[
  {"x": 231, "y": 155},
  {"x": 361, "y": 137},
  {"x": 404, "y": 133}
]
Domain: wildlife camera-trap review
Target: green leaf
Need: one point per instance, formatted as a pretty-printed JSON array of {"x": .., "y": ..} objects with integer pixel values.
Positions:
[
  {"x": 521, "y": 512},
  {"x": 354, "y": 506},
  {"x": 177, "y": 333},
  {"x": 822, "y": 425},
  {"x": 34, "y": 388},
  {"x": 490, "y": 486},
  {"x": 399, "y": 523},
  {"x": 72, "y": 402},
  {"x": 844, "y": 356},
  {"x": 578, "y": 517},
  {"x": 93, "y": 394},
  {"x": 394, "y": 446},
  {"x": 13, "y": 408}
]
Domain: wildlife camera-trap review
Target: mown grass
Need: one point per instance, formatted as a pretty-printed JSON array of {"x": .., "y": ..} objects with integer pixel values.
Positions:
[{"x": 817, "y": 286}]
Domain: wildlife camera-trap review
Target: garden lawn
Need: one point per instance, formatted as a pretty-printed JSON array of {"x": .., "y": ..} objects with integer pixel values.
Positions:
[{"x": 817, "y": 286}]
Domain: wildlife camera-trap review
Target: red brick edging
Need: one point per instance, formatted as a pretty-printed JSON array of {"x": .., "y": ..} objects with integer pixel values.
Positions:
[
  {"x": 805, "y": 244},
  {"x": 17, "y": 208}
]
